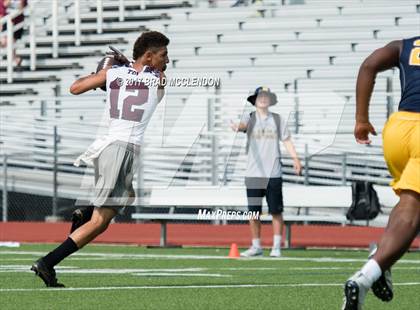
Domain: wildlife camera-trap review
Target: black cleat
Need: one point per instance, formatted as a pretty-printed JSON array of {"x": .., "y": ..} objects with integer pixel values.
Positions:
[
  {"x": 354, "y": 292},
  {"x": 46, "y": 273},
  {"x": 351, "y": 295},
  {"x": 382, "y": 288},
  {"x": 80, "y": 217}
]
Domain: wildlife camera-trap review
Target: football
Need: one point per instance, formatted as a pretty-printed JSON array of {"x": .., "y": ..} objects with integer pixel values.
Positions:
[{"x": 106, "y": 62}]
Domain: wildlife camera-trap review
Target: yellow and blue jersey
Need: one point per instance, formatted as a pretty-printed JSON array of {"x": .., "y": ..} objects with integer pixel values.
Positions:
[
  {"x": 401, "y": 135},
  {"x": 409, "y": 65}
]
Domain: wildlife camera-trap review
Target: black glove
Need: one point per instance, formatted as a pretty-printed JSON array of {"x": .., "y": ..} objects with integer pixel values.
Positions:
[
  {"x": 112, "y": 58},
  {"x": 119, "y": 56}
]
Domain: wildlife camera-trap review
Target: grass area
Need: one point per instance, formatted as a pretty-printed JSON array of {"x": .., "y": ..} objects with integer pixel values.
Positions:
[{"x": 130, "y": 277}]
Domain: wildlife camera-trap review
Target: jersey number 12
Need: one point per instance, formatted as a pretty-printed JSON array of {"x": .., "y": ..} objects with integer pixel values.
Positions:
[{"x": 128, "y": 113}]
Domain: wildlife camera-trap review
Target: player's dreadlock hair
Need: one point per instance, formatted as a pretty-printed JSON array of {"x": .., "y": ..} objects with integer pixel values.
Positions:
[{"x": 149, "y": 40}]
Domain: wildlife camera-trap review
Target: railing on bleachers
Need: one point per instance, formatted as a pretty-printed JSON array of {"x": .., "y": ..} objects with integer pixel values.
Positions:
[{"x": 67, "y": 40}]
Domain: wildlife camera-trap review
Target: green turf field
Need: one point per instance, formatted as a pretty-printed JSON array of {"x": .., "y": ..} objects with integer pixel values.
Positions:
[{"x": 129, "y": 277}]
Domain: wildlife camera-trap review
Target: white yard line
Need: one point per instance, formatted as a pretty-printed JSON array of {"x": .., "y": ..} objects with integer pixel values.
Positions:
[
  {"x": 25, "y": 267},
  {"x": 125, "y": 270},
  {"x": 73, "y": 269},
  {"x": 183, "y": 257},
  {"x": 173, "y": 272},
  {"x": 345, "y": 268},
  {"x": 177, "y": 274},
  {"x": 166, "y": 287}
]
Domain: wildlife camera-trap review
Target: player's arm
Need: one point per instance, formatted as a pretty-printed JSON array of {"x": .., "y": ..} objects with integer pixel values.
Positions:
[
  {"x": 288, "y": 144},
  {"x": 380, "y": 60},
  {"x": 88, "y": 82}
]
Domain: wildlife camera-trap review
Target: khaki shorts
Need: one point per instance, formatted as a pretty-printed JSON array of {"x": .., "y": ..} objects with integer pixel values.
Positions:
[{"x": 114, "y": 172}]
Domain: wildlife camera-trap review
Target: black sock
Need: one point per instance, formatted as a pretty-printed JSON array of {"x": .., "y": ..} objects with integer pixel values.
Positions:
[{"x": 65, "y": 249}]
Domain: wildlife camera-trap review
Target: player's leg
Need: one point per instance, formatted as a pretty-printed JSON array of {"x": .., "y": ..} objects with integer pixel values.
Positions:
[
  {"x": 403, "y": 226},
  {"x": 114, "y": 177},
  {"x": 109, "y": 163},
  {"x": 101, "y": 217},
  {"x": 254, "y": 195},
  {"x": 402, "y": 153},
  {"x": 118, "y": 177},
  {"x": 122, "y": 193},
  {"x": 83, "y": 213},
  {"x": 80, "y": 216},
  {"x": 275, "y": 207},
  {"x": 44, "y": 267}
]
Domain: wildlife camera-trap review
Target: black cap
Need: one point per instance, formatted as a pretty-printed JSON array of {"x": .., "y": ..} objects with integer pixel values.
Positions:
[{"x": 264, "y": 90}]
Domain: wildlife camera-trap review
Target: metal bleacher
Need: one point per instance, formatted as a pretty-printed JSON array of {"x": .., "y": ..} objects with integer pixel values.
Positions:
[{"x": 308, "y": 54}]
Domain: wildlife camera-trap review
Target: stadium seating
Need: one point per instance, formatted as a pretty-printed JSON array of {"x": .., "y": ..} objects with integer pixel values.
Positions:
[{"x": 308, "y": 54}]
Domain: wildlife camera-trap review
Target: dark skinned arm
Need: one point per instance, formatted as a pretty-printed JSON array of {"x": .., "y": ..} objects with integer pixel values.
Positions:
[{"x": 380, "y": 60}]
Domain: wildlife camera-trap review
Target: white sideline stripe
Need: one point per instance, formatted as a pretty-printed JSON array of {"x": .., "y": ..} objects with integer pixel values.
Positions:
[
  {"x": 15, "y": 259},
  {"x": 24, "y": 267},
  {"x": 168, "y": 274},
  {"x": 73, "y": 269},
  {"x": 183, "y": 256},
  {"x": 184, "y": 287},
  {"x": 345, "y": 268},
  {"x": 246, "y": 268},
  {"x": 77, "y": 270}
]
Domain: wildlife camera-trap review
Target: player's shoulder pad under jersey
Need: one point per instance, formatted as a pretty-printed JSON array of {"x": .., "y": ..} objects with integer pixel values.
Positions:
[
  {"x": 152, "y": 70},
  {"x": 121, "y": 70},
  {"x": 120, "y": 66}
]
